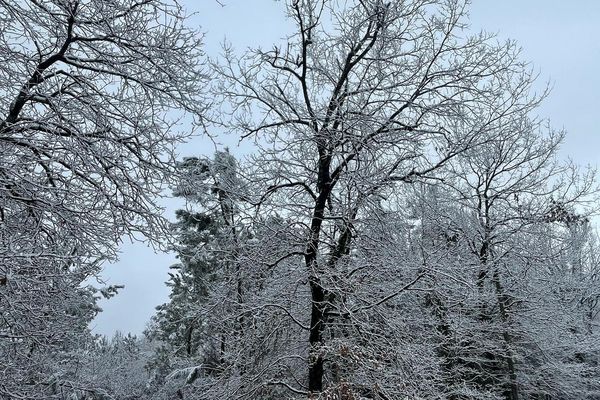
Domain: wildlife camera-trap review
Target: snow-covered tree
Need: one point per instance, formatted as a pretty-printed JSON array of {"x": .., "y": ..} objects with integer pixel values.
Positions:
[
  {"x": 364, "y": 97},
  {"x": 89, "y": 93},
  {"x": 502, "y": 249},
  {"x": 206, "y": 284}
]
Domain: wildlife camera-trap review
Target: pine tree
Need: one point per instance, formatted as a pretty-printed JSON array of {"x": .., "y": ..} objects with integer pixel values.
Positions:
[{"x": 204, "y": 234}]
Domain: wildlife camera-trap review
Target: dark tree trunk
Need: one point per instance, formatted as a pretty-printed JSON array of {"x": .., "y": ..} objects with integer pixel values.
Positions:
[{"x": 317, "y": 292}]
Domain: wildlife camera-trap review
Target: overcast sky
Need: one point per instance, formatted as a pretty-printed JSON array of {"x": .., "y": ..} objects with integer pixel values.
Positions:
[{"x": 560, "y": 38}]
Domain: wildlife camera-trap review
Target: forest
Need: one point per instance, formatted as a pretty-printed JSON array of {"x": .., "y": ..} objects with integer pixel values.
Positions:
[{"x": 403, "y": 227}]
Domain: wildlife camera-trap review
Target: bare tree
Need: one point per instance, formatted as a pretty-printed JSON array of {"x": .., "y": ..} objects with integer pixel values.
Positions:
[
  {"x": 364, "y": 96},
  {"x": 90, "y": 93},
  {"x": 499, "y": 262}
]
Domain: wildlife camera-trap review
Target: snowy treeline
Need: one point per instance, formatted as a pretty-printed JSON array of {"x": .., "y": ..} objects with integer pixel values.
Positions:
[{"x": 403, "y": 229}]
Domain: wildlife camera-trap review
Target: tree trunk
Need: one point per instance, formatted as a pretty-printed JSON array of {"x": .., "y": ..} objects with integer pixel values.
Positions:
[{"x": 317, "y": 292}]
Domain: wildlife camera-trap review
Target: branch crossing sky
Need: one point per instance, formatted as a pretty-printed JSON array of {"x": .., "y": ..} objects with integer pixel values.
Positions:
[{"x": 559, "y": 38}]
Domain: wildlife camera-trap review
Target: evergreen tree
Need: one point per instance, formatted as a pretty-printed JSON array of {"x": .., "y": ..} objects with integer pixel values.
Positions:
[{"x": 204, "y": 234}]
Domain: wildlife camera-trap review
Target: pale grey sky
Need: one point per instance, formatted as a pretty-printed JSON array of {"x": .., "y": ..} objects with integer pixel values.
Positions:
[{"x": 559, "y": 37}]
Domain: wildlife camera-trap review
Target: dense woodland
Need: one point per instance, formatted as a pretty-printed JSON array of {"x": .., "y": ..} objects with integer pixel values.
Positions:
[{"x": 403, "y": 227}]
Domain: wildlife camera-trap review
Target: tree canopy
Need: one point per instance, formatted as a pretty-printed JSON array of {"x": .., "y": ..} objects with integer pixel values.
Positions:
[{"x": 404, "y": 227}]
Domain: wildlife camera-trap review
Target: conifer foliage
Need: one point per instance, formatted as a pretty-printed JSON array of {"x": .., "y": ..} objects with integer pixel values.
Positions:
[{"x": 403, "y": 227}]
